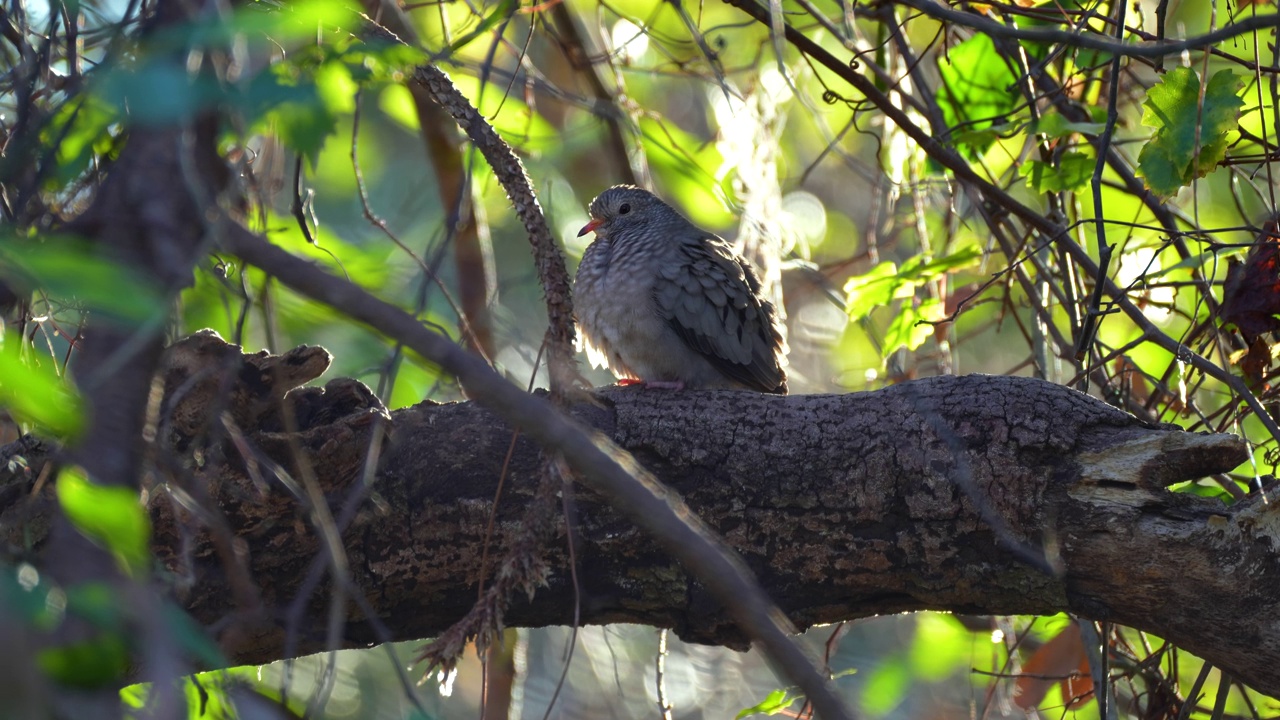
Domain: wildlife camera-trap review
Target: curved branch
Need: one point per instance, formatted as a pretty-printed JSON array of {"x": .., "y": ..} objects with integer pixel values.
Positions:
[
  {"x": 507, "y": 168},
  {"x": 548, "y": 260}
]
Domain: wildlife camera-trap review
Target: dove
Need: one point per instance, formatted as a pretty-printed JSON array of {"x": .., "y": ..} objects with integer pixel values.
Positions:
[{"x": 662, "y": 302}]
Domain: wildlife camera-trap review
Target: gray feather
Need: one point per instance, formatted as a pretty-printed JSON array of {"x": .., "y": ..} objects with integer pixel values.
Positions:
[{"x": 664, "y": 300}]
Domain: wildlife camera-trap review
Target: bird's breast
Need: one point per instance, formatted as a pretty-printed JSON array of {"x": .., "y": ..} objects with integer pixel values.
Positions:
[{"x": 614, "y": 302}]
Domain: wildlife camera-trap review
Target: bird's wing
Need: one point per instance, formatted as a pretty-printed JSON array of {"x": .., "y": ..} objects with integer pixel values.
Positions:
[{"x": 711, "y": 298}]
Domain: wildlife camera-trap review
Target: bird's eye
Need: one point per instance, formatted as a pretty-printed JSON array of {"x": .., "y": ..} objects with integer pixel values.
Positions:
[{"x": 626, "y": 208}]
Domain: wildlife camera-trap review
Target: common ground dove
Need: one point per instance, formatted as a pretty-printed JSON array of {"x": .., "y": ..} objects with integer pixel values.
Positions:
[{"x": 664, "y": 302}]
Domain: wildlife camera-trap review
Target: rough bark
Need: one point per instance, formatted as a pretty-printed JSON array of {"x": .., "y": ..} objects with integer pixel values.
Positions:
[{"x": 975, "y": 494}]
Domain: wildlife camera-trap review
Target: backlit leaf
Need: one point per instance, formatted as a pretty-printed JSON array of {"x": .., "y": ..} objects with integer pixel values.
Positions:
[
  {"x": 978, "y": 92},
  {"x": 1189, "y": 140},
  {"x": 110, "y": 515},
  {"x": 32, "y": 390},
  {"x": 1072, "y": 172}
]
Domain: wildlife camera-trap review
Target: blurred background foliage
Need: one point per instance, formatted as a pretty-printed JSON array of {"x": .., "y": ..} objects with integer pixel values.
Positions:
[{"x": 885, "y": 266}]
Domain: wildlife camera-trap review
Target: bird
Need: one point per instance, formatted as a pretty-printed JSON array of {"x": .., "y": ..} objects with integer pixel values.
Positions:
[{"x": 664, "y": 303}]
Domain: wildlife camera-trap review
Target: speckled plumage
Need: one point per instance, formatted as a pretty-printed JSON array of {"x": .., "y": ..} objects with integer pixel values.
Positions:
[{"x": 660, "y": 300}]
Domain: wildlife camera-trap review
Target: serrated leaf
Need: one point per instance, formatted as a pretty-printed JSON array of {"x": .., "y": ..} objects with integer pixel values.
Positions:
[
  {"x": 291, "y": 103},
  {"x": 922, "y": 270},
  {"x": 878, "y": 287},
  {"x": 1173, "y": 157}
]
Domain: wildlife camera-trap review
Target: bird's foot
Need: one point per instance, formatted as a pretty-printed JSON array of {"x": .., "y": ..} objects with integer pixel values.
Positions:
[{"x": 660, "y": 384}]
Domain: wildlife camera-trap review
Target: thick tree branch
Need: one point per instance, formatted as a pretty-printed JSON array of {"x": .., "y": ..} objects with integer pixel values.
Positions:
[{"x": 844, "y": 506}]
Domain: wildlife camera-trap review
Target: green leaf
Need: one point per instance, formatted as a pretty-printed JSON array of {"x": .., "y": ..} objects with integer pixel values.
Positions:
[
  {"x": 1173, "y": 157},
  {"x": 104, "y": 658},
  {"x": 886, "y": 282},
  {"x": 71, "y": 270},
  {"x": 336, "y": 88},
  {"x": 93, "y": 663},
  {"x": 505, "y": 10},
  {"x": 1073, "y": 171},
  {"x": 290, "y": 103},
  {"x": 686, "y": 167},
  {"x": 396, "y": 102},
  {"x": 773, "y": 703},
  {"x": 878, "y": 287},
  {"x": 885, "y": 688},
  {"x": 288, "y": 22},
  {"x": 79, "y": 131},
  {"x": 941, "y": 647},
  {"x": 34, "y": 392},
  {"x": 111, "y": 516},
  {"x": 1054, "y": 126},
  {"x": 921, "y": 270},
  {"x": 909, "y": 328},
  {"x": 98, "y": 603},
  {"x": 978, "y": 92}
]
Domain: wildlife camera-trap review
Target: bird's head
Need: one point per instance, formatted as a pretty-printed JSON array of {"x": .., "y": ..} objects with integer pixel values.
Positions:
[{"x": 621, "y": 207}]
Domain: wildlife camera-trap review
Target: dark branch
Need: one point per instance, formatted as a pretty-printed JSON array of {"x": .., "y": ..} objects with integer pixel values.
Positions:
[
  {"x": 844, "y": 506},
  {"x": 1092, "y": 41}
]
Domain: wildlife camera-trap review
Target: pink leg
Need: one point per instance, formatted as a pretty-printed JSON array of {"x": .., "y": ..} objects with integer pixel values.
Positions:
[{"x": 659, "y": 384}]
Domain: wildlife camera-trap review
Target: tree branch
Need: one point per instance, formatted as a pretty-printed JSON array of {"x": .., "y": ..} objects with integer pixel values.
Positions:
[
  {"x": 1092, "y": 41},
  {"x": 844, "y": 506}
]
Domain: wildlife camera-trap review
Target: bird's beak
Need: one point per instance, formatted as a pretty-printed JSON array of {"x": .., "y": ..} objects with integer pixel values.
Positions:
[{"x": 589, "y": 227}]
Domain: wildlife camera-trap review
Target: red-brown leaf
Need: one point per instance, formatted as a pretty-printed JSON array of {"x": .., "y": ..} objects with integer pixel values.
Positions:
[
  {"x": 1251, "y": 295},
  {"x": 1061, "y": 661}
]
